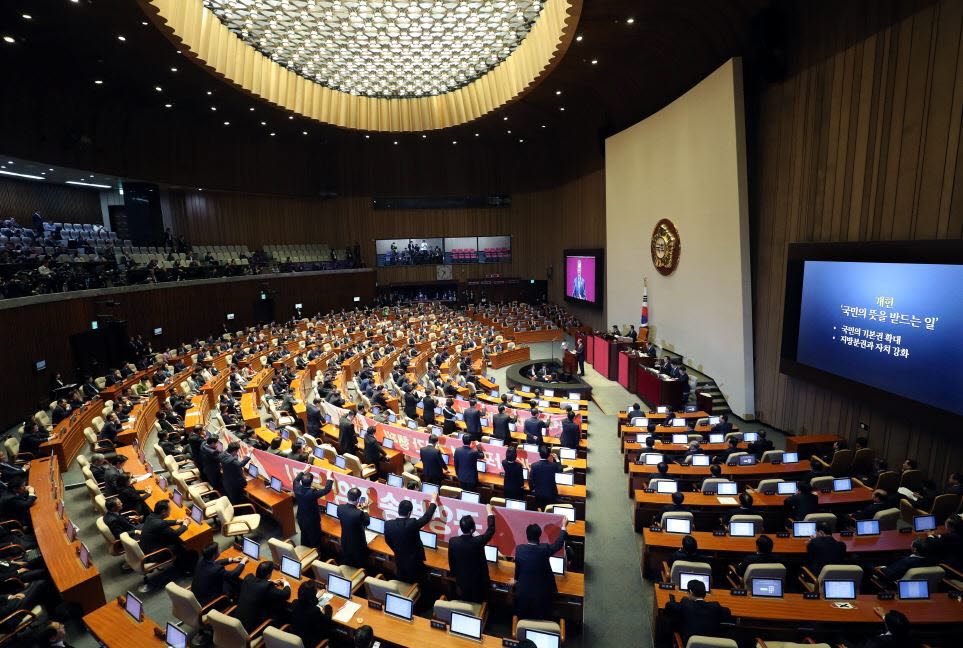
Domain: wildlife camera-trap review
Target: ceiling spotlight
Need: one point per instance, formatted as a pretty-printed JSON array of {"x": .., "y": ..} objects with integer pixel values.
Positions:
[
  {"x": 91, "y": 175},
  {"x": 423, "y": 136},
  {"x": 543, "y": 125},
  {"x": 367, "y": 136},
  {"x": 263, "y": 123},
  {"x": 562, "y": 108},
  {"x": 214, "y": 108},
  {"x": 159, "y": 89},
  {"x": 209, "y": 93},
  {"x": 122, "y": 39},
  {"x": 594, "y": 61},
  {"x": 396, "y": 142},
  {"x": 26, "y": 16},
  {"x": 174, "y": 69},
  {"x": 168, "y": 105},
  {"x": 227, "y": 123},
  {"x": 99, "y": 82},
  {"x": 578, "y": 38},
  {"x": 520, "y": 140},
  {"x": 630, "y": 20},
  {"x": 251, "y": 108},
  {"x": 504, "y": 118},
  {"x": 144, "y": 23},
  {"x": 558, "y": 92},
  {"x": 477, "y": 134},
  {"x": 272, "y": 134},
  {"x": 304, "y": 132},
  {"x": 9, "y": 39},
  {"x": 49, "y": 169},
  {"x": 509, "y": 132},
  {"x": 290, "y": 116},
  {"x": 454, "y": 141}
]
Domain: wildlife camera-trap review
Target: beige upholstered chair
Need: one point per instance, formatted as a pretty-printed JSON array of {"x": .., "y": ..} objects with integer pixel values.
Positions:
[
  {"x": 376, "y": 589},
  {"x": 231, "y": 523},
  {"x": 443, "y": 608},
  {"x": 520, "y": 628},
  {"x": 230, "y": 632},
  {"x": 300, "y": 553},
  {"x": 353, "y": 574},
  {"x": 145, "y": 565}
]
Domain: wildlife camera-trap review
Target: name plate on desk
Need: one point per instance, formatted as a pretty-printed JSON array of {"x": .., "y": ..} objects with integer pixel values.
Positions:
[
  {"x": 885, "y": 596},
  {"x": 655, "y": 529},
  {"x": 812, "y": 596},
  {"x": 438, "y": 625},
  {"x": 846, "y": 534},
  {"x": 509, "y": 643},
  {"x": 825, "y": 491},
  {"x": 374, "y": 605},
  {"x": 906, "y": 530},
  {"x": 666, "y": 586},
  {"x": 648, "y": 490},
  {"x": 782, "y": 534},
  {"x": 717, "y": 532},
  {"x": 738, "y": 592}
]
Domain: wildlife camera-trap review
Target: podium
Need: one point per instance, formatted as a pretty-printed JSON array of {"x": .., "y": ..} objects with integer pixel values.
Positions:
[{"x": 570, "y": 363}]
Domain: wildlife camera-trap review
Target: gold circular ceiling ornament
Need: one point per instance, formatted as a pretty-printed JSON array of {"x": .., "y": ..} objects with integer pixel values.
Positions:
[
  {"x": 379, "y": 65},
  {"x": 666, "y": 247}
]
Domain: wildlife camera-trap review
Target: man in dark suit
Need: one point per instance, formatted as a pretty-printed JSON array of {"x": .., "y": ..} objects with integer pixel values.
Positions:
[
  {"x": 60, "y": 411},
  {"x": 514, "y": 475},
  {"x": 160, "y": 533},
  {"x": 211, "y": 464},
  {"x": 466, "y": 559},
  {"x": 260, "y": 597},
  {"x": 411, "y": 403},
  {"x": 580, "y": 355},
  {"x": 696, "y": 616},
  {"x": 730, "y": 450},
  {"x": 306, "y": 497},
  {"x": 117, "y": 522},
  {"x": 402, "y": 536},
  {"x": 315, "y": 418},
  {"x": 923, "y": 554},
  {"x": 635, "y": 412},
  {"x": 132, "y": 499},
  {"x": 881, "y": 502},
  {"x": 432, "y": 465},
  {"x": 347, "y": 437},
  {"x": 472, "y": 417},
  {"x": 823, "y": 549},
  {"x": 760, "y": 445},
  {"x": 212, "y": 578},
  {"x": 232, "y": 470},
  {"x": 428, "y": 407},
  {"x": 533, "y": 428},
  {"x": 744, "y": 508},
  {"x": 898, "y": 630},
  {"x": 534, "y": 581},
  {"x": 541, "y": 478},
  {"x": 571, "y": 432},
  {"x": 354, "y": 520},
  {"x": 500, "y": 424},
  {"x": 466, "y": 468},
  {"x": 374, "y": 454},
  {"x": 723, "y": 426},
  {"x": 763, "y": 554},
  {"x": 802, "y": 503}
]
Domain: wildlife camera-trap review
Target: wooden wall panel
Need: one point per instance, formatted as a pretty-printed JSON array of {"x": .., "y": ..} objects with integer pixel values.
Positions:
[
  {"x": 861, "y": 141},
  {"x": 19, "y": 199},
  {"x": 184, "y": 312}
]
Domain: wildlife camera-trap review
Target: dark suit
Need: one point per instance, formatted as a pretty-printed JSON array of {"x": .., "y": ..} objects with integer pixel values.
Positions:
[
  {"x": 58, "y": 414},
  {"x": 428, "y": 410},
  {"x": 354, "y": 545},
  {"x": 315, "y": 419},
  {"x": 258, "y": 600},
  {"x": 347, "y": 439},
  {"x": 402, "y": 536},
  {"x": 703, "y": 618},
  {"x": 541, "y": 479},
  {"x": 753, "y": 559},
  {"x": 895, "y": 571},
  {"x": 309, "y": 622},
  {"x": 466, "y": 560},
  {"x": 211, "y": 578},
  {"x": 824, "y": 550},
  {"x": 571, "y": 434},
  {"x": 723, "y": 427},
  {"x": 514, "y": 480},
  {"x": 500, "y": 426},
  {"x": 211, "y": 467},
  {"x": 411, "y": 405},
  {"x": 533, "y": 430},
  {"x": 802, "y": 504},
  {"x": 473, "y": 423},
  {"x": 118, "y": 524},
  {"x": 132, "y": 499},
  {"x": 534, "y": 581},
  {"x": 373, "y": 452},
  {"x": 158, "y": 533},
  {"x": 232, "y": 469},
  {"x": 465, "y": 467},
  {"x": 432, "y": 465},
  {"x": 309, "y": 512}
]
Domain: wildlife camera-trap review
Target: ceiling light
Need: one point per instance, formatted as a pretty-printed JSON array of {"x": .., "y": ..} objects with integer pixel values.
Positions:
[
  {"x": 558, "y": 92},
  {"x": 454, "y": 141},
  {"x": 227, "y": 123},
  {"x": 520, "y": 140},
  {"x": 99, "y": 82},
  {"x": 174, "y": 69},
  {"x": 290, "y": 116},
  {"x": 122, "y": 39},
  {"x": 49, "y": 169},
  {"x": 26, "y": 16},
  {"x": 423, "y": 136},
  {"x": 304, "y": 132},
  {"x": 214, "y": 108},
  {"x": 578, "y": 38},
  {"x": 477, "y": 134},
  {"x": 272, "y": 134},
  {"x": 209, "y": 93},
  {"x": 562, "y": 108},
  {"x": 594, "y": 61},
  {"x": 159, "y": 89},
  {"x": 543, "y": 125},
  {"x": 91, "y": 175},
  {"x": 382, "y": 49},
  {"x": 263, "y": 123},
  {"x": 9, "y": 39},
  {"x": 251, "y": 108},
  {"x": 88, "y": 184},
  {"x": 144, "y": 23},
  {"x": 168, "y": 105},
  {"x": 509, "y": 132},
  {"x": 200, "y": 189},
  {"x": 367, "y": 136},
  {"x": 23, "y": 175},
  {"x": 396, "y": 142},
  {"x": 630, "y": 20}
]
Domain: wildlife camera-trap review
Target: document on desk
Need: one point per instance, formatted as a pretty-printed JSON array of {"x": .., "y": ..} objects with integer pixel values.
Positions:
[
  {"x": 729, "y": 501},
  {"x": 141, "y": 478},
  {"x": 346, "y": 612}
]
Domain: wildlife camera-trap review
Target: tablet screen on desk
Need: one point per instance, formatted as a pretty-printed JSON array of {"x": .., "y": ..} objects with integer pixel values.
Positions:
[
  {"x": 319, "y": 452},
  {"x": 428, "y": 539},
  {"x": 742, "y": 529},
  {"x": 516, "y": 398},
  {"x": 276, "y": 484},
  {"x": 666, "y": 486},
  {"x": 914, "y": 589},
  {"x": 84, "y": 555},
  {"x": 71, "y": 531},
  {"x": 700, "y": 460},
  {"x": 376, "y": 524},
  {"x": 678, "y": 525},
  {"x": 727, "y": 488},
  {"x": 565, "y": 511},
  {"x": 481, "y": 466},
  {"x": 786, "y": 488},
  {"x": 331, "y": 509},
  {"x": 290, "y": 567},
  {"x": 339, "y": 462},
  {"x": 567, "y": 453},
  {"x": 565, "y": 479},
  {"x": 652, "y": 459},
  {"x": 714, "y": 420},
  {"x": 496, "y": 442},
  {"x": 842, "y": 485},
  {"x": 251, "y": 549},
  {"x": 459, "y": 416},
  {"x": 543, "y": 639},
  {"x": 446, "y": 458},
  {"x": 177, "y": 498},
  {"x": 771, "y": 587},
  {"x": 465, "y": 625},
  {"x": 549, "y": 393},
  {"x": 685, "y": 577},
  {"x": 747, "y": 460},
  {"x": 750, "y": 436},
  {"x": 339, "y": 586},
  {"x": 388, "y": 443},
  {"x": 839, "y": 589},
  {"x": 162, "y": 484},
  {"x": 678, "y": 422},
  {"x": 924, "y": 523},
  {"x": 574, "y": 396},
  {"x": 790, "y": 457},
  {"x": 494, "y": 393},
  {"x": 175, "y": 637},
  {"x": 252, "y": 469},
  {"x": 640, "y": 421},
  {"x": 867, "y": 527},
  {"x": 391, "y": 418},
  {"x": 558, "y": 564},
  {"x": 803, "y": 529},
  {"x": 396, "y": 481},
  {"x": 468, "y": 496},
  {"x": 716, "y": 438},
  {"x": 680, "y": 438},
  {"x": 197, "y": 514},
  {"x": 512, "y": 427},
  {"x": 398, "y": 606},
  {"x": 429, "y": 489},
  {"x": 491, "y": 553},
  {"x": 133, "y": 607},
  {"x": 515, "y": 505}
]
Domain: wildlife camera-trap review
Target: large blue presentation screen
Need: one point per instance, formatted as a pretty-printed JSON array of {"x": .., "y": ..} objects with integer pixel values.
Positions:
[{"x": 894, "y": 326}]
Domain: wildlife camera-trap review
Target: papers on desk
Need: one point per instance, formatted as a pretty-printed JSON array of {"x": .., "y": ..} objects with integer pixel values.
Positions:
[
  {"x": 346, "y": 612},
  {"x": 728, "y": 501},
  {"x": 137, "y": 480},
  {"x": 324, "y": 599},
  {"x": 907, "y": 493}
]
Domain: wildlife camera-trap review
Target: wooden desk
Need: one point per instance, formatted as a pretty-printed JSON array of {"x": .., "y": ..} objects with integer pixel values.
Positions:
[
  {"x": 75, "y": 583},
  {"x": 808, "y": 445},
  {"x": 531, "y": 337},
  {"x": 640, "y": 474},
  {"x": 114, "y": 628},
  {"x": 67, "y": 439},
  {"x": 509, "y": 357},
  {"x": 249, "y": 410},
  {"x": 654, "y": 390},
  {"x": 279, "y": 506}
]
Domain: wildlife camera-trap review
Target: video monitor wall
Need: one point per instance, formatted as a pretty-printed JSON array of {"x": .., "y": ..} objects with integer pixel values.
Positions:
[
  {"x": 583, "y": 277},
  {"x": 883, "y": 321},
  {"x": 450, "y": 250}
]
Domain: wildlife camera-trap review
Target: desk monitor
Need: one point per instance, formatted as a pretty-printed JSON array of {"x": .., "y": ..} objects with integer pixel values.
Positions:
[
  {"x": 413, "y": 425},
  {"x": 162, "y": 484},
  {"x": 276, "y": 484},
  {"x": 512, "y": 427},
  {"x": 769, "y": 587},
  {"x": 392, "y": 418},
  {"x": 666, "y": 486},
  {"x": 543, "y": 639},
  {"x": 339, "y": 586},
  {"x": 252, "y": 469},
  {"x": 84, "y": 555},
  {"x": 549, "y": 393},
  {"x": 428, "y": 539},
  {"x": 839, "y": 589},
  {"x": 677, "y": 422},
  {"x": 376, "y": 524},
  {"x": 717, "y": 437},
  {"x": 429, "y": 489},
  {"x": 290, "y": 567},
  {"x": 574, "y": 396},
  {"x": 285, "y": 434},
  {"x": 526, "y": 389},
  {"x": 375, "y": 410},
  {"x": 398, "y": 606},
  {"x": 652, "y": 458},
  {"x": 558, "y": 564},
  {"x": 530, "y": 447},
  {"x": 749, "y": 437},
  {"x": 867, "y": 527},
  {"x": 483, "y": 422},
  {"x": 786, "y": 488},
  {"x": 177, "y": 498},
  {"x": 515, "y": 505},
  {"x": 197, "y": 514},
  {"x": 525, "y": 474},
  {"x": 396, "y": 481},
  {"x": 790, "y": 457},
  {"x": 468, "y": 496},
  {"x": 319, "y": 452},
  {"x": 640, "y": 421},
  {"x": 742, "y": 529},
  {"x": 914, "y": 590},
  {"x": 842, "y": 485},
  {"x": 662, "y": 409},
  {"x": 340, "y": 462},
  {"x": 568, "y": 513},
  {"x": 680, "y": 438},
  {"x": 481, "y": 466},
  {"x": 436, "y": 430},
  {"x": 71, "y": 531},
  {"x": 714, "y": 420},
  {"x": 727, "y": 488},
  {"x": 678, "y": 525},
  {"x": 924, "y": 523},
  {"x": 543, "y": 403},
  {"x": 747, "y": 460},
  {"x": 327, "y": 418},
  {"x": 803, "y": 529},
  {"x": 516, "y": 398},
  {"x": 460, "y": 416},
  {"x": 388, "y": 443},
  {"x": 567, "y": 453},
  {"x": 251, "y": 549},
  {"x": 565, "y": 479},
  {"x": 494, "y": 393},
  {"x": 175, "y": 637},
  {"x": 496, "y": 442},
  {"x": 134, "y": 608},
  {"x": 700, "y": 460},
  {"x": 446, "y": 458},
  {"x": 685, "y": 577},
  {"x": 491, "y": 553},
  {"x": 465, "y": 625},
  {"x": 331, "y": 509}
]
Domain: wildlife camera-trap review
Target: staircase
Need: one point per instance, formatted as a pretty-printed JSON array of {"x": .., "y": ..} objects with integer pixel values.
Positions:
[{"x": 708, "y": 386}]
